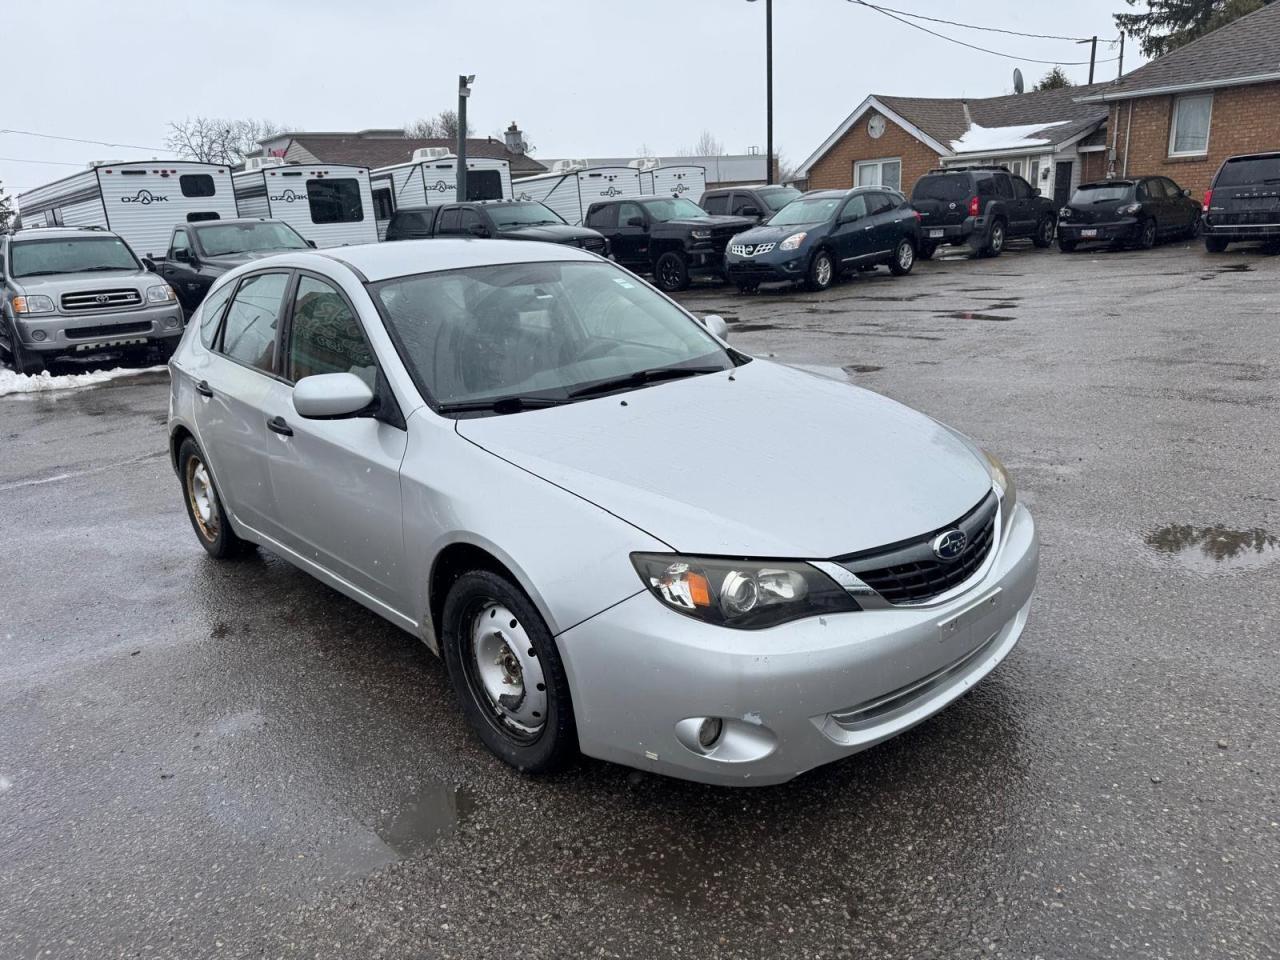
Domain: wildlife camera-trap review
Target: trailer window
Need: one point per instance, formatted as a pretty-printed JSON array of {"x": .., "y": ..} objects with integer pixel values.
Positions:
[
  {"x": 196, "y": 185},
  {"x": 484, "y": 185},
  {"x": 335, "y": 201}
]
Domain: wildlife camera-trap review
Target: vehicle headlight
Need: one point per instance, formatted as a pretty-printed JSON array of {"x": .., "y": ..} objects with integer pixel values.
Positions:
[
  {"x": 1065, "y": 213},
  {"x": 1128, "y": 210},
  {"x": 743, "y": 594},
  {"x": 35, "y": 303},
  {"x": 792, "y": 242},
  {"x": 1002, "y": 480},
  {"x": 700, "y": 234},
  {"x": 161, "y": 293}
]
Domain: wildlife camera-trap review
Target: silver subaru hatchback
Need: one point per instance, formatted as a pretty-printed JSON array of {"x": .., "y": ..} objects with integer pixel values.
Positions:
[{"x": 624, "y": 537}]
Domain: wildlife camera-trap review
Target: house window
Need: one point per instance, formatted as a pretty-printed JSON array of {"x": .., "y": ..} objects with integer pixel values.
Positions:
[
  {"x": 1189, "y": 135},
  {"x": 878, "y": 173}
]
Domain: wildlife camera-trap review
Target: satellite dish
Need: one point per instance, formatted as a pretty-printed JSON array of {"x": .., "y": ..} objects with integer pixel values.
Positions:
[{"x": 1018, "y": 86}]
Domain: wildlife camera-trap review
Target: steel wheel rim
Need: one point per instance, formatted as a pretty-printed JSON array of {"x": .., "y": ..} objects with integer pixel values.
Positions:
[
  {"x": 200, "y": 495},
  {"x": 906, "y": 256},
  {"x": 505, "y": 674},
  {"x": 823, "y": 271}
]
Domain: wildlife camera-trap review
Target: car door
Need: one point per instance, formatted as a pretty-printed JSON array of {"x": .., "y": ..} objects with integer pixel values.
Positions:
[
  {"x": 851, "y": 237},
  {"x": 473, "y": 224},
  {"x": 179, "y": 272},
  {"x": 1150, "y": 193},
  {"x": 882, "y": 218},
  {"x": 234, "y": 383},
  {"x": 336, "y": 483},
  {"x": 745, "y": 204},
  {"x": 449, "y": 222},
  {"x": 631, "y": 248},
  {"x": 1024, "y": 207},
  {"x": 1182, "y": 208}
]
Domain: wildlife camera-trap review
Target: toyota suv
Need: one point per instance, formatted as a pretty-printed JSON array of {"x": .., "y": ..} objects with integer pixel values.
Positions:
[
  {"x": 981, "y": 208},
  {"x": 1243, "y": 203},
  {"x": 70, "y": 290}
]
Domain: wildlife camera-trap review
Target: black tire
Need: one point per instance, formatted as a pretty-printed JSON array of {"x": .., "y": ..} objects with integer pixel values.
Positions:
[
  {"x": 204, "y": 506},
  {"x": 1066, "y": 246},
  {"x": 1043, "y": 237},
  {"x": 1193, "y": 231},
  {"x": 23, "y": 361},
  {"x": 1215, "y": 244},
  {"x": 671, "y": 272},
  {"x": 1150, "y": 232},
  {"x": 926, "y": 251},
  {"x": 473, "y": 601},
  {"x": 822, "y": 271},
  {"x": 904, "y": 258},
  {"x": 994, "y": 245},
  {"x": 749, "y": 286}
]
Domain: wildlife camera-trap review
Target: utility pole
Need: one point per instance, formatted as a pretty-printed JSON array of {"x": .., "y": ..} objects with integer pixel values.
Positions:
[
  {"x": 1120, "y": 70},
  {"x": 768, "y": 82},
  {"x": 464, "y": 91},
  {"x": 1093, "y": 54}
]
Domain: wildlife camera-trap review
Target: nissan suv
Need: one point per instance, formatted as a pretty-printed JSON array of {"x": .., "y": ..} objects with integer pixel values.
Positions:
[
  {"x": 981, "y": 208},
  {"x": 1243, "y": 202},
  {"x": 74, "y": 290}
]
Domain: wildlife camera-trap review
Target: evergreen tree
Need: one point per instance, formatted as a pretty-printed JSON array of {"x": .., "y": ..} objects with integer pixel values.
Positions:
[
  {"x": 1169, "y": 24},
  {"x": 1055, "y": 79}
]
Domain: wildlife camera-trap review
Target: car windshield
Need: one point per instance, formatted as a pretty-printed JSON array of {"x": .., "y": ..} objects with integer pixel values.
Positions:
[
  {"x": 35, "y": 258},
  {"x": 674, "y": 209},
  {"x": 229, "y": 238},
  {"x": 777, "y": 199},
  {"x": 1238, "y": 173},
  {"x": 539, "y": 333},
  {"x": 812, "y": 210},
  {"x": 1091, "y": 193},
  {"x": 523, "y": 215},
  {"x": 952, "y": 188}
]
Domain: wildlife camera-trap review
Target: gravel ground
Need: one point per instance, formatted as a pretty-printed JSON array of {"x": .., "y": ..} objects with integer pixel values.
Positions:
[{"x": 202, "y": 760}]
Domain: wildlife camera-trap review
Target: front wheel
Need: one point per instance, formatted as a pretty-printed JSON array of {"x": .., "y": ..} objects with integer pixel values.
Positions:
[
  {"x": 1215, "y": 244},
  {"x": 672, "y": 272},
  {"x": 822, "y": 271},
  {"x": 1147, "y": 238},
  {"x": 204, "y": 506},
  {"x": 1044, "y": 233},
  {"x": 904, "y": 258},
  {"x": 507, "y": 674},
  {"x": 23, "y": 361},
  {"x": 748, "y": 286}
]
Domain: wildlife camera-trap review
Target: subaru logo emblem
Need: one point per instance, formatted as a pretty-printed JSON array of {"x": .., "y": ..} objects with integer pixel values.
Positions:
[{"x": 949, "y": 545}]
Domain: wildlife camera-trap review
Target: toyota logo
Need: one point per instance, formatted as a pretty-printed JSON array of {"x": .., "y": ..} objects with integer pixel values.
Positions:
[
  {"x": 102, "y": 298},
  {"x": 949, "y": 545}
]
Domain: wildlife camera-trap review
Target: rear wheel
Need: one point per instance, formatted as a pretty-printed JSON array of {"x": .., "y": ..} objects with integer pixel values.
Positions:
[
  {"x": 1215, "y": 244},
  {"x": 822, "y": 271},
  {"x": 904, "y": 258},
  {"x": 1065, "y": 245},
  {"x": 204, "y": 506},
  {"x": 671, "y": 271},
  {"x": 926, "y": 251},
  {"x": 507, "y": 674},
  {"x": 995, "y": 241},
  {"x": 1044, "y": 233},
  {"x": 1193, "y": 231},
  {"x": 1147, "y": 237}
]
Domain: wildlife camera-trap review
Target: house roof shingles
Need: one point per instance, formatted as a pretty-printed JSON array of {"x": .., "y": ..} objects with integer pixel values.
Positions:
[
  {"x": 1245, "y": 49},
  {"x": 376, "y": 152}
]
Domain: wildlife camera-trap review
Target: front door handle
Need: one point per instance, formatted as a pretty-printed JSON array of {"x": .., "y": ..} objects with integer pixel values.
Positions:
[
  {"x": 278, "y": 425},
  {"x": 204, "y": 389}
]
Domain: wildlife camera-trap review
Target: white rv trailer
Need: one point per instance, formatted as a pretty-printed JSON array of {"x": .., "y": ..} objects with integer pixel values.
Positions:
[
  {"x": 431, "y": 178},
  {"x": 141, "y": 201},
  {"x": 571, "y": 187},
  {"x": 330, "y": 204},
  {"x": 683, "y": 180}
]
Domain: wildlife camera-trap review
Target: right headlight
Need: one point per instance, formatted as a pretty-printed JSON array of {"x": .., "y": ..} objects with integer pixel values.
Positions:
[
  {"x": 1002, "y": 480},
  {"x": 792, "y": 242},
  {"x": 743, "y": 594},
  {"x": 36, "y": 303}
]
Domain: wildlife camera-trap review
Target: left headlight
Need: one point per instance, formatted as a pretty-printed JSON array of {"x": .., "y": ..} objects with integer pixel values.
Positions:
[
  {"x": 743, "y": 594},
  {"x": 1002, "y": 480},
  {"x": 161, "y": 293},
  {"x": 700, "y": 234},
  {"x": 35, "y": 303}
]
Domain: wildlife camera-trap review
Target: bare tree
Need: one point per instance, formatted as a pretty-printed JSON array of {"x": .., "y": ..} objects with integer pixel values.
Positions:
[
  {"x": 705, "y": 146},
  {"x": 215, "y": 140},
  {"x": 443, "y": 126},
  {"x": 6, "y": 211}
]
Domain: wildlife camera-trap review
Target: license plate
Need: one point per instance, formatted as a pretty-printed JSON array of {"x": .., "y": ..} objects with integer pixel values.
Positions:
[
  {"x": 102, "y": 344},
  {"x": 973, "y": 619},
  {"x": 934, "y": 234},
  {"x": 1088, "y": 233}
]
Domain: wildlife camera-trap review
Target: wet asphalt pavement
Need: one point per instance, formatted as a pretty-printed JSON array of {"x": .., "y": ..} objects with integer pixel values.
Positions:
[{"x": 203, "y": 760}]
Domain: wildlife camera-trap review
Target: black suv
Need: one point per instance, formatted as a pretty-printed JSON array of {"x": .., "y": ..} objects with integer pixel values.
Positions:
[
  {"x": 1138, "y": 211},
  {"x": 499, "y": 219},
  {"x": 824, "y": 233},
  {"x": 671, "y": 238},
  {"x": 759, "y": 203},
  {"x": 1243, "y": 202},
  {"x": 981, "y": 207}
]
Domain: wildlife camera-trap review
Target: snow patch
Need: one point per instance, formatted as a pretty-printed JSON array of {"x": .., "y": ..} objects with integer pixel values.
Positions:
[
  {"x": 11, "y": 382},
  {"x": 983, "y": 139}
]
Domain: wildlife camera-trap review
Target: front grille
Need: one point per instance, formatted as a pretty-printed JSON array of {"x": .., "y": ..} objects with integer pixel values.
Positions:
[
  {"x": 110, "y": 330},
  {"x": 101, "y": 299},
  {"x": 910, "y": 572},
  {"x": 594, "y": 244},
  {"x": 748, "y": 250}
]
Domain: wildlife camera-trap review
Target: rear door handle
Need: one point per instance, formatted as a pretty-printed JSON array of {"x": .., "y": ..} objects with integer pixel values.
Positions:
[
  {"x": 278, "y": 425},
  {"x": 204, "y": 389}
]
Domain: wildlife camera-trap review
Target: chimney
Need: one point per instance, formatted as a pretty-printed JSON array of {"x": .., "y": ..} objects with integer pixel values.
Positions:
[{"x": 515, "y": 139}]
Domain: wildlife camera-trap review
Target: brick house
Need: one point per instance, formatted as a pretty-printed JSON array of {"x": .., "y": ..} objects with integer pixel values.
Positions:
[
  {"x": 381, "y": 148},
  {"x": 1182, "y": 115},
  {"x": 1048, "y": 137}
]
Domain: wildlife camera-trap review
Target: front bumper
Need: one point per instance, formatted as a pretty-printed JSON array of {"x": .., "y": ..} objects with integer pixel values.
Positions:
[
  {"x": 795, "y": 696},
  {"x": 59, "y": 333},
  {"x": 776, "y": 265},
  {"x": 1126, "y": 230}
]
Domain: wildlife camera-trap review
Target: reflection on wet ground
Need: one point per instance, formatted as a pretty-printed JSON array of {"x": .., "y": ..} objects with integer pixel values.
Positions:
[
  {"x": 1213, "y": 548},
  {"x": 971, "y": 315},
  {"x": 434, "y": 812}
]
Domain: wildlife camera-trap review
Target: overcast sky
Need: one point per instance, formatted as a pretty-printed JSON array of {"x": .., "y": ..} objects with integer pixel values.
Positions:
[{"x": 581, "y": 77}]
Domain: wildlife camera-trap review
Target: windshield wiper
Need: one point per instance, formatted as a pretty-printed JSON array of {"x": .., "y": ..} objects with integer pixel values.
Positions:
[
  {"x": 640, "y": 378},
  {"x": 104, "y": 267},
  {"x": 42, "y": 273},
  {"x": 502, "y": 404}
]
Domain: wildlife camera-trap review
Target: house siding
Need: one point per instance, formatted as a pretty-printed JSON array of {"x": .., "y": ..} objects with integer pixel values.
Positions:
[
  {"x": 835, "y": 168},
  {"x": 1244, "y": 120}
]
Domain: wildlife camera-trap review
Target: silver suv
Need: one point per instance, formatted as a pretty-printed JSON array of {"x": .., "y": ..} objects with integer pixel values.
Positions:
[{"x": 70, "y": 290}]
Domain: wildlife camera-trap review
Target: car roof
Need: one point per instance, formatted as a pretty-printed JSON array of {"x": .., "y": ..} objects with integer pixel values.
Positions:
[
  {"x": 46, "y": 233},
  {"x": 381, "y": 261},
  {"x": 223, "y": 221},
  {"x": 1117, "y": 182}
]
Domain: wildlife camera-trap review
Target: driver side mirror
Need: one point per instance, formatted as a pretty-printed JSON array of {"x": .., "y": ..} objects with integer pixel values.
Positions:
[
  {"x": 716, "y": 326},
  {"x": 1186, "y": 192},
  {"x": 311, "y": 244},
  {"x": 750, "y": 212},
  {"x": 636, "y": 222},
  {"x": 331, "y": 396},
  {"x": 478, "y": 230},
  {"x": 182, "y": 255},
  {"x": 148, "y": 262}
]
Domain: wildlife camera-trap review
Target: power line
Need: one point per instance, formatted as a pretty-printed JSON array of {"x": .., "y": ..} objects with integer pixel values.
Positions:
[
  {"x": 100, "y": 143},
  {"x": 971, "y": 46},
  {"x": 973, "y": 26},
  {"x": 57, "y": 163}
]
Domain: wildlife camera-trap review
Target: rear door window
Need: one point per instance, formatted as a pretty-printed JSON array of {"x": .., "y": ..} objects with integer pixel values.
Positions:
[
  {"x": 1021, "y": 189},
  {"x": 249, "y": 333},
  {"x": 605, "y": 217},
  {"x": 878, "y": 203},
  {"x": 1004, "y": 186},
  {"x": 719, "y": 204}
]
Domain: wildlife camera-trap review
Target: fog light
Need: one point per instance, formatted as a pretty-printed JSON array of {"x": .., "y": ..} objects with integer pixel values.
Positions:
[
  {"x": 39, "y": 335},
  {"x": 709, "y": 732},
  {"x": 171, "y": 322}
]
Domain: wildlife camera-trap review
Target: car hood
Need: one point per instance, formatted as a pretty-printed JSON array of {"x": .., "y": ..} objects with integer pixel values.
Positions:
[
  {"x": 232, "y": 260},
  {"x": 551, "y": 233},
  {"x": 767, "y": 234},
  {"x": 59, "y": 284},
  {"x": 711, "y": 220},
  {"x": 773, "y": 463}
]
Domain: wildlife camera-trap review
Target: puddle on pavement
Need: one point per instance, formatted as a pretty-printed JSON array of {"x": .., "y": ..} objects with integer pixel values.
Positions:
[
  {"x": 970, "y": 315},
  {"x": 1216, "y": 548},
  {"x": 434, "y": 812},
  {"x": 861, "y": 368},
  {"x": 752, "y": 327}
]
